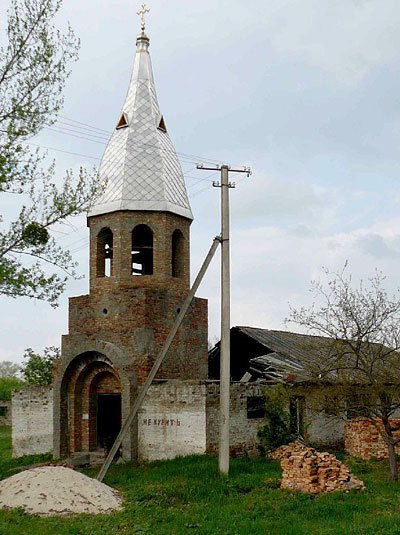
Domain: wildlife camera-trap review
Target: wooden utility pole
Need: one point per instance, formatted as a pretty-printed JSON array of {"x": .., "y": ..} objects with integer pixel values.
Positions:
[{"x": 225, "y": 349}]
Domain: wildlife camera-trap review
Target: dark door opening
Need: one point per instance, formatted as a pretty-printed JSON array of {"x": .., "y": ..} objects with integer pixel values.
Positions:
[{"x": 108, "y": 419}]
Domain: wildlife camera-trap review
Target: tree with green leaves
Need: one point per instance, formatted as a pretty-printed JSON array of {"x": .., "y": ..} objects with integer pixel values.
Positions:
[
  {"x": 7, "y": 385},
  {"x": 360, "y": 371},
  {"x": 37, "y": 369},
  {"x": 34, "y": 66}
]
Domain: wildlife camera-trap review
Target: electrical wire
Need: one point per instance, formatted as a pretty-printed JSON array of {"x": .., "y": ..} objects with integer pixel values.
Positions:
[{"x": 185, "y": 155}]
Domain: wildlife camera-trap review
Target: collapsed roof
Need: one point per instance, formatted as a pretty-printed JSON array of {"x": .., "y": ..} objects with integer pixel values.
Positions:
[{"x": 270, "y": 356}]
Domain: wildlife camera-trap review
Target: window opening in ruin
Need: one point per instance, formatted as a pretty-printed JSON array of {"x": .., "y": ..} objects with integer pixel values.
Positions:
[
  {"x": 123, "y": 122},
  {"x": 108, "y": 419},
  {"x": 296, "y": 411},
  {"x": 255, "y": 407},
  {"x": 142, "y": 250},
  {"x": 3, "y": 410},
  {"x": 105, "y": 253},
  {"x": 177, "y": 253}
]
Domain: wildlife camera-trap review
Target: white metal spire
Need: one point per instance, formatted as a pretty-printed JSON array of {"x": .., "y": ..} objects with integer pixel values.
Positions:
[{"x": 140, "y": 165}]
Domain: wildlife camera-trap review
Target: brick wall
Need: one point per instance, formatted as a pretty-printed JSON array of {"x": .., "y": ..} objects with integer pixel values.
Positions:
[
  {"x": 138, "y": 322},
  {"x": 363, "y": 439},
  {"x": 172, "y": 421},
  {"x": 182, "y": 418},
  {"x": 5, "y": 412},
  {"x": 32, "y": 426},
  {"x": 121, "y": 224},
  {"x": 319, "y": 428},
  {"x": 243, "y": 430}
]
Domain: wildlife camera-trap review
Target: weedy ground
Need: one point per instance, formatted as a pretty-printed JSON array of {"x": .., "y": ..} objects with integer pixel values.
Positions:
[{"x": 187, "y": 496}]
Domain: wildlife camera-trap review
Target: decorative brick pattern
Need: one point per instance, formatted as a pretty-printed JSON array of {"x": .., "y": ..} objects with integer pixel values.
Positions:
[
  {"x": 363, "y": 438},
  {"x": 307, "y": 470}
]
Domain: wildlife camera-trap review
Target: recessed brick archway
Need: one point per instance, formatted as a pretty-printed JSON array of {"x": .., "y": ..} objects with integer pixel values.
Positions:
[
  {"x": 87, "y": 377},
  {"x": 81, "y": 383}
]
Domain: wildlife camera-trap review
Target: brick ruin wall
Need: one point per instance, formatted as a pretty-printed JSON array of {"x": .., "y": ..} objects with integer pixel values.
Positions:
[
  {"x": 364, "y": 440},
  {"x": 243, "y": 430},
  {"x": 5, "y": 412},
  {"x": 177, "y": 418},
  {"x": 323, "y": 430},
  {"x": 172, "y": 421},
  {"x": 32, "y": 422},
  {"x": 182, "y": 418}
]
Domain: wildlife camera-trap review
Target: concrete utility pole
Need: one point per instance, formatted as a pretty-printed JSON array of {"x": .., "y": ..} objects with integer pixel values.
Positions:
[{"x": 225, "y": 349}]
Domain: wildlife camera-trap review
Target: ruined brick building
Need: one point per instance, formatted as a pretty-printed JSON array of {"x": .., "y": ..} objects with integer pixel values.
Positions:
[{"x": 139, "y": 276}]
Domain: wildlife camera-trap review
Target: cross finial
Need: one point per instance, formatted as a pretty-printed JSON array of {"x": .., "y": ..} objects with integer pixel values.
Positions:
[{"x": 142, "y": 12}]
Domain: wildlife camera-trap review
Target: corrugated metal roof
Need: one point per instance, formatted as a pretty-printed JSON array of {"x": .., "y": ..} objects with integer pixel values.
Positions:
[{"x": 302, "y": 347}]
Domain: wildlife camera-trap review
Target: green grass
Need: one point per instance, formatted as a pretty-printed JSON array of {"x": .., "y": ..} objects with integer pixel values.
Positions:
[{"x": 186, "y": 496}]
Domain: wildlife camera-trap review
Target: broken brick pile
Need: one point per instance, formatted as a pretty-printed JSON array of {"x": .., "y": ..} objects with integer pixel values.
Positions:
[
  {"x": 310, "y": 471},
  {"x": 363, "y": 438}
]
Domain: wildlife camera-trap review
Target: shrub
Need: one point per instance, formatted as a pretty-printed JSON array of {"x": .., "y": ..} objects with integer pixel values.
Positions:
[{"x": 276, "y": 429}]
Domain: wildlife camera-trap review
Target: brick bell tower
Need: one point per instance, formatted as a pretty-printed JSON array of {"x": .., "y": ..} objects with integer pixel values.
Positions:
[{"x": 139, "y": 277}]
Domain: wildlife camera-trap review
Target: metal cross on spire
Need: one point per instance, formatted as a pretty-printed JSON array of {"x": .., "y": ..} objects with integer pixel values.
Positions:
[{"x": 142, "y": 12}]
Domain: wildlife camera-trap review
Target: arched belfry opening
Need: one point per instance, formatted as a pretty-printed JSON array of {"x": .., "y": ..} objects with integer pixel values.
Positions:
[
  {"x": 142, "y": 250},
  {"x": 177, "y": 267},
  {"x": 104, "y": 264}
]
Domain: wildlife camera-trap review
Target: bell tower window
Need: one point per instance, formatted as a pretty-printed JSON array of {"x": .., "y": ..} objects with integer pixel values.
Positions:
[
  {"x": 177, "y": 253},
  {"x": 142, "y": 250},
  {"x": 105, "y": 253}
]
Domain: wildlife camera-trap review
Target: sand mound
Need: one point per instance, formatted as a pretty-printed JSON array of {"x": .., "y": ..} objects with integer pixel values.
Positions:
[{"x": 56, "y": 490}]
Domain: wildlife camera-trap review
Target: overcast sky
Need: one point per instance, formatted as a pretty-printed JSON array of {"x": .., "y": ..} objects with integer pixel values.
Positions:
[{"x": 306, "y": 92}]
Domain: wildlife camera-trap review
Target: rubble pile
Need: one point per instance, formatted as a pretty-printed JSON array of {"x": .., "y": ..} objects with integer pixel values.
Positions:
[{"x": 313, "y": 472}]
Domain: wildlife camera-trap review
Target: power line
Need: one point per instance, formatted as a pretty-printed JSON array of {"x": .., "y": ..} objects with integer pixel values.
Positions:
[
  {"x": 192, "y": 156},
  {"x": 74, "y": 131},
  {"x": 84, "y": 128},
  {"x": 73, "y": 135},
  {"x": 64, "y": 151},
  {"x": 84, "y": 124},
  {"x": 198, "y": 179}
]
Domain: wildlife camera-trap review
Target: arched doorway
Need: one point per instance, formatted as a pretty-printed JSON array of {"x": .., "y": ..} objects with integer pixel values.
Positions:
[
  {"x": 104, "y": 411},
  {"x": 90, "y": 404}
]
